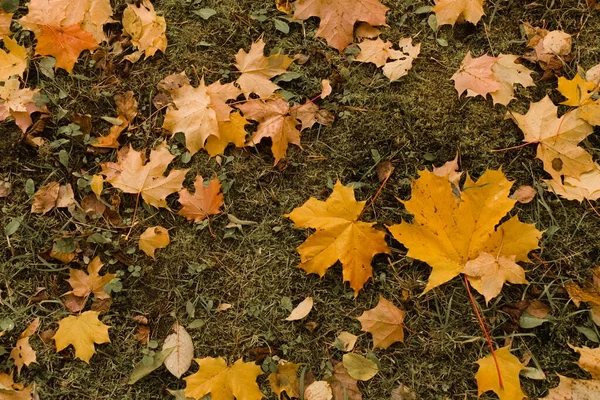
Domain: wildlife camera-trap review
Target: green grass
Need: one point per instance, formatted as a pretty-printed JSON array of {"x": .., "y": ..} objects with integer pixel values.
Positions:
[{"x": 417, "y": 119}]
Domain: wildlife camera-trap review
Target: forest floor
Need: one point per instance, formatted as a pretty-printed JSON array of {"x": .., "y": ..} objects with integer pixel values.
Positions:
[{"x": 415, "y": 123}]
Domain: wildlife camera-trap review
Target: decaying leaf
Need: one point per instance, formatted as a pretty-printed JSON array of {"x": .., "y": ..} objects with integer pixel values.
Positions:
[
  {"x": 206, "y": 200},
  {"x": 85, "y": 284},
  {"x": 126, "y": 111},
  {"x": 285, "y": 380},
  {"x": 510, "y": 367},
  {"x": 50, "y": 196},
  {"x": 385, "y": 322},
  {"x": 379, "y": 52},
  {"x": 491, "y": 75},
  {"x": 589, "y": 294},
  {"x": 132, "y": 174},
  {"x": 318, "y": 390},
  {"x": 81, "y": 331},
  {"x": 359, "y": 367},
  {"x": 551, "y": 49},
  {"x": 257, "y": 70},
  {"x": 10, "y": 390},
  {"x": 154, "y": 237},
  {"x": 180, "y": 359},
  {"x": 339, "y": 236},
  {"x": 344, "y": 386},
  {"x": 557, "y": 138},
  {"x": 447, "y": 232},
  {"x": 146, "y": 29},
  {"x": 449, "y": 12},
  {"x": 18, "y": 103},
  {"x": 23, "y": 354},
  {"x": 224, "y": 382},
  {"x": 338, "y": 18},
  {"x": 301, "y": 310}
]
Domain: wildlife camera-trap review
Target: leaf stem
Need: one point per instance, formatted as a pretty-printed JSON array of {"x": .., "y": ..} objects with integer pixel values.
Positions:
[
  {"x": 374, "y": 197},
  {"x": 487, "y": 335},
  {"x": 137, "y": 204}
]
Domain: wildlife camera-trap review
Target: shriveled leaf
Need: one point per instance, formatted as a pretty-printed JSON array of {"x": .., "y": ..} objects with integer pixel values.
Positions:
[{"x": 146, "y": 29}]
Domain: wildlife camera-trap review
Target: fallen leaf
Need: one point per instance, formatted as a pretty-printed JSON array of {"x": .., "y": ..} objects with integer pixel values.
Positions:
[
  {"x": 81, "y": 331},
  {"x": 14, "y": 391},
  {"x": 318, "y": 390},
  {"x": 366, "y": 31},
  {"x": 449, "y": 12},
  {"x": 180, "y": 359},
  {"x": 23, "y": 354},
  {"x": 97, "y": 184},
  {"x": 537, "y": 309},
  {"x": 85, "y": 284},
  {"x": 257, "y": 70},
  {"x": 378, "y": 52},
  {"x": 510, "y": 367},
  {"x": 346, "y": 340},
  {"x": 338, "y": 18},
  {"x": 64, "y": 44},
  {"x": 325, "y": 88},
  {"x": 18, "y": 103},
  {"x": 223, "y": 307},
  {"x": 44, "y": 199},
  {"x": 232, "y": 131},
  {"x": 574, "y": 389},
  {"x": 385, "y": 322},
  {"x": 359, "y": 367},
  {"x": 579, "y": 93},
  {"x": 146, "y": 29},
  {"x": 447, "y": 232},
  {"x": 285, "y": 380},
  {"x": 491, "y": 75},
  {"x": 551, "y": 49},
  {"x": 143, "y": 334},
  {"x": 589, "y": 360},
  {"x": 339, "y": 236},
  {"x": 222, "y": 381},
  {"x": 5, "y": 22},
  {"x": 126, "y": 111},
  {"x": 584, "y": 187},
  {"x": 5, "y": 188},
  {"x": 493, "y": 271},
  {"x": 344, "y": 386},
  {"x": 301, "y": 310},
  {"x": 14, "y": 61},
  {"x": 524, "y": 194},
  {"x": 133, "y": 175},
  {"x": 206, "y": 200},
  {"x": 93, "y": 206},
  {"x": 449, "y": 170},
  {"x": 154, "y": 237},
  {"x": 141, "y": 369},
  {"x": 66, "y": 197},
  {"x": 403, "y": 392},
  {"x": 557, "y": 138}
]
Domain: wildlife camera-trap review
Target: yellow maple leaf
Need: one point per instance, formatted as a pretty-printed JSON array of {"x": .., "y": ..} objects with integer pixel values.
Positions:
[
  {"x": 449, "y": 12},
  {"x": 133, "y": 175},
  {"x": 579, "y": 92},
  {"x": 81, "y": 331},
  {"x": 13, "y": 62},
  {"x": 447, "y": 232},
  {"x": 146, "y": 29},
  {"x": 224, "y": 382},
  {"x": 585, "y": 186},
  {"x": 510, "y": 367},
  {"x": 339, "y": 17},
  {"x": 232, "y": 131},
  {"x": 589, "y": 360},
  {"x": 492, "y": 271},
  {"x": 5, "y": 21},
  {"x": 339, "y": 236},
  {"x": 557, "y": 138},
  {"x": 257, "y": 70},
  {"x": 23, "y": 353},
  {"x": 155, "y": 237},
  {"x": 385, "y": 322},
  {"x": 85, "y": 284}
]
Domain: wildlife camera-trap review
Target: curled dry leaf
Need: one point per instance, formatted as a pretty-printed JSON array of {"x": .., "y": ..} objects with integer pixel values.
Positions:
[
  {"x": 146, "y": 29},
  {"x": 325, "y": 88},
  {"x": 301, "y": 310},
  {"x": 339, "y": 236},
  {"x": 180, "y": 359},
  {"x": 154, "y": 237},
  {"x": 339, "y": 17},
  {"x": 318, "y": 390},
  {"x": 551, "y": 49}
]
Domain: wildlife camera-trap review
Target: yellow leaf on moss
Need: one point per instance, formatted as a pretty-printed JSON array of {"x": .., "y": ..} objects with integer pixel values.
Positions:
[
  {"x": 447, "y": 231},
  {"x": 155, "y": 237},
  {"x": 224, "y": 382},
  {"x": 339, "y": 236},
  {"x": 81, "y": 331},
  {"x": 510, "y": 367},
  {"x": 285, "y": 380}
]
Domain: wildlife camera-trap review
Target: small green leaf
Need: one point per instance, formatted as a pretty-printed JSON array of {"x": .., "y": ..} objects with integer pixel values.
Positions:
[
  {"x": 442, "y": 42},
  {"x": 46, "y": 66},
  {"x": 281, "y": 26},
  {"x": 589, "y": 333},
  {"x": 13, "y": 226},
  {"x": 29, "y": 187},
  {"x": 141, "y": 370},
  {"x": 205, "y": 13},
  {"x": 432, "y": 22},
  {"x": 63, "y": 158}
]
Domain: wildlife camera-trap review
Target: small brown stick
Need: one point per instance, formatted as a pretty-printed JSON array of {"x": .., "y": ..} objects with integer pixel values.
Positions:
[{"x": 374, "y": 197}]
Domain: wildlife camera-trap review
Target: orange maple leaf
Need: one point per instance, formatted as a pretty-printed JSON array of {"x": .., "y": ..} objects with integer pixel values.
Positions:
[
  {"x": 85, "y": 284},
  {"x": 204, "y": 202},
  {"x": 64, "y": 44},
  {"x": 385, "y": 322},
  {"x": 339, "y": 17},
  {"x": 339, "y": 236},
  {"x": 449, "y": 12}
]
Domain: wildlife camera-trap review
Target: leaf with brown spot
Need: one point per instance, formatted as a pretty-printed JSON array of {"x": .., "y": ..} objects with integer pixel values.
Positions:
[{"x": 154, "y": 237}]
